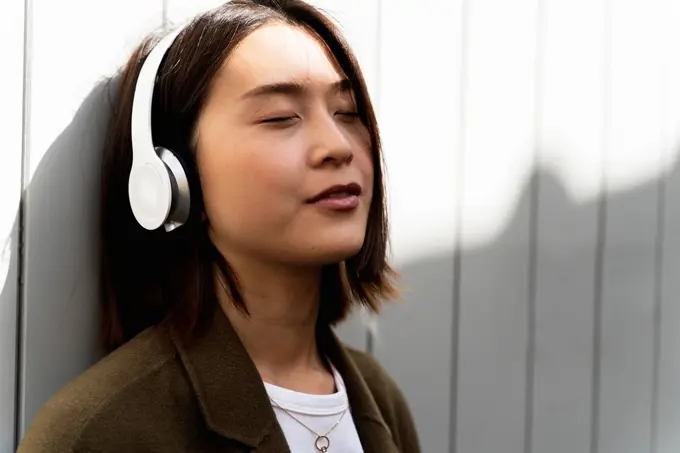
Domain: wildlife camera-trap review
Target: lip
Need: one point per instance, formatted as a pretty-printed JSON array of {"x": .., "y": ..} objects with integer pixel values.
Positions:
[{"x": 352, "y": 190}]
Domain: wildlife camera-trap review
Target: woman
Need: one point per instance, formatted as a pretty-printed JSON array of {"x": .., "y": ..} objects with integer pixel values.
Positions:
[{"x": 220, "y": 329}]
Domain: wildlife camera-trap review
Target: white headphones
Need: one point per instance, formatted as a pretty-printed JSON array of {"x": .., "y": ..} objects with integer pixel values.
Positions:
[{"x": 158, "y": 187}]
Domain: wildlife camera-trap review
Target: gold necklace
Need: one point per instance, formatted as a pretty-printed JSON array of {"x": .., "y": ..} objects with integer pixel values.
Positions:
[{"x": 322, "y": 442}]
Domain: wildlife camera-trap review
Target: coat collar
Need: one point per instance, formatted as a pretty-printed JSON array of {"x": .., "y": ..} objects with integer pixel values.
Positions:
[{"x": 233, "y": 399}]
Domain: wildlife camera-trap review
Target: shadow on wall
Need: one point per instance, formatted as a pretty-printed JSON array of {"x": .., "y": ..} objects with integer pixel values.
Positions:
[
  {"x": 554, "y": 328},
  {"x": 59, "y": 268},
  {"x": 488, "y": 334}
]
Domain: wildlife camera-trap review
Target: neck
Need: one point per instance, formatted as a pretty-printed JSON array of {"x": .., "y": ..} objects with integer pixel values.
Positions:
[{"x": 279, "y": 333}]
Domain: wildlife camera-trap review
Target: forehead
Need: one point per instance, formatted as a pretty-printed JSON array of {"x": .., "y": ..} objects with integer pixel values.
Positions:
[{"x": 274, "y": 53}]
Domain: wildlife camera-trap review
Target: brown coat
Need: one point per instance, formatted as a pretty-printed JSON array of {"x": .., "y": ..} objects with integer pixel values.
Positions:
[{"x": 158, "y": 394}]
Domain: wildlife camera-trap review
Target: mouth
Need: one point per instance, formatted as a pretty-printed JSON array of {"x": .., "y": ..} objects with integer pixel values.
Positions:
[
  {"x": 338, "y": 191},
  {"x": 338, "y": 198}
]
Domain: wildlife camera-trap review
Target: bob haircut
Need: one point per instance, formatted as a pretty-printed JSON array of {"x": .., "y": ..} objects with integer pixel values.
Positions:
[{"x": 157, "y": 278}]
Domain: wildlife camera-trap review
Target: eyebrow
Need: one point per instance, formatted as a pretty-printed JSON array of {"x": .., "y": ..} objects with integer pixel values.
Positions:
[{"x": 294, "y": 89}]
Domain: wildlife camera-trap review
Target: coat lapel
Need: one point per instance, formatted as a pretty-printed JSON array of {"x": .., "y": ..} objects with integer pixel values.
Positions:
[
  {"x": 373, "y": 430},
  {"x": 234, "y": 401},
  {"x": 231, "y": 395}
]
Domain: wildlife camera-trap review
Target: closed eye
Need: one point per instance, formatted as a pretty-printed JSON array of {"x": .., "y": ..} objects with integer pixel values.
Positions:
[
  {"x": 347, "y": 116},
  {"x": 279, "y": 119}
]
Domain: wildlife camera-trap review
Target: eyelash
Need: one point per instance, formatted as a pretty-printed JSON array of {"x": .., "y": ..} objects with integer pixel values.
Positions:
[
  {"x": 283, "y": 119},
  {"x": 279, "y": 119}
]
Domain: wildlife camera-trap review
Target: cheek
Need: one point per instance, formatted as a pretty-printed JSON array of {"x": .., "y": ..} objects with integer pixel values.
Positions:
[{"x": 249, "y": 183}]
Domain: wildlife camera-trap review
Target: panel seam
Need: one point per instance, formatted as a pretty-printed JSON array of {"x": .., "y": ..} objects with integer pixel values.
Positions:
[
  {"x": 19, "y": 411},
  {"x": 458, "y": 239},
  {"x": 596, "y": 378},
  {"x": 530, "y": 372}
]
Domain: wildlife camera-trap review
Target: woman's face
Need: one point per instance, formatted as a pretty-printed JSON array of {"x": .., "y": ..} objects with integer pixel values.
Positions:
[{"x": 278, "y": 130}]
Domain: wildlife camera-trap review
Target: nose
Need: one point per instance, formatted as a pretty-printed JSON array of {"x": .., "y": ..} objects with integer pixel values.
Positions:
[{"x": 330, "y": 143}]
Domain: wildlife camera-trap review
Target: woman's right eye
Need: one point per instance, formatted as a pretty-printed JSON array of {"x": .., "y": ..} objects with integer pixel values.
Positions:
[{"x": 279, "y": 119}]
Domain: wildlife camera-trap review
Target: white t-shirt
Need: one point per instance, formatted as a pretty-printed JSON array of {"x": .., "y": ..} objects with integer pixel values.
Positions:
[{"x": 318, "y": 412}]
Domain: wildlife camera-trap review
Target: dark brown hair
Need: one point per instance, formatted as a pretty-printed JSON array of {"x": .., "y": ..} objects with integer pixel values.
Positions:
[{"x": 154, "y": 277}]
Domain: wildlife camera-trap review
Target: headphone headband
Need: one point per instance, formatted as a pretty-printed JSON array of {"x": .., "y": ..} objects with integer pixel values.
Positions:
[{"x": 142, "y": 138}]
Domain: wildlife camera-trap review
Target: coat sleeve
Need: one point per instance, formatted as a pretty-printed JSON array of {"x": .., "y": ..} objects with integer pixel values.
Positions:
[{"x": 406, "y": 435}]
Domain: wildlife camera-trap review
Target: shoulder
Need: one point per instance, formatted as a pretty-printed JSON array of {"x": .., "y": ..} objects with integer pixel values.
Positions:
[
  {"x": 389, "y": 398},
  {"x": 117, "y": 393}
]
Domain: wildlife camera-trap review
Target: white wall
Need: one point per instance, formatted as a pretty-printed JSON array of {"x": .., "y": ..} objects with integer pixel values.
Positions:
[{"x": 535, "y": 206}]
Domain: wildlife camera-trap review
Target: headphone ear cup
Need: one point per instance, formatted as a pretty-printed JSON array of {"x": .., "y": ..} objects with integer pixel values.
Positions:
[
  {"x": 150, "y": 193},
  {"x": 180, "y": 207}
]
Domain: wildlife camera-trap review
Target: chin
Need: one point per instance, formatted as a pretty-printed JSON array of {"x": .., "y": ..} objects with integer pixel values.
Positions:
[
  {"x": 325, "y": 244},
  {"x": 338, "y": 256},
  {"x": 335, "y": 252}
]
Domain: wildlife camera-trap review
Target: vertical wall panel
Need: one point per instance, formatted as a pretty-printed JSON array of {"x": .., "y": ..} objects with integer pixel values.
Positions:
[
  {"x": 570, "y": 168},
  {"x": 499, "y": 152},
  {"x": 11, "y": 111},
  {"x": 629, "y": 267},
  {"x": 419, "y": 92},
  {"x": 667, "y": 435},
  {"x": 75, "y": 45}
]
